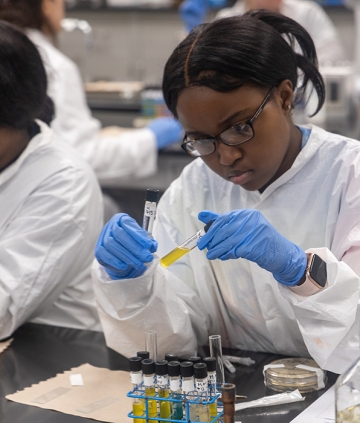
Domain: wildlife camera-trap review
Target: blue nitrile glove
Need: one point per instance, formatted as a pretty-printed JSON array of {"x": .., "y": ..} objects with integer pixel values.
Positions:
[
  {"x": 167, "y": 131},
  {"x": 193, "y": 12},
  {"x": 247, "y": 234},
  {"x": 123, "y": 247}
]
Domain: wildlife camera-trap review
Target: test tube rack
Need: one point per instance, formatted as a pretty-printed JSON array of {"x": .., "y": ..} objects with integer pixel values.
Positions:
[{"x": 196, "y": 398}]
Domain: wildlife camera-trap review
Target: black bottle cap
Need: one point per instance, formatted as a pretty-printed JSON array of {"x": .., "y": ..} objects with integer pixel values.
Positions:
[
  {"x": 200, "y": 370},
  {"x": 143, "y": 354},
  {"x": 148, "y": 366},
  {"x": 210, "y": 363},
  {"x": 161, "y": 367},
  {"x": 152, "y": 195},
  {"x": 195, "y": 359},
  {"x": 174, "y": 368},
  {"x": 135, "y": 364},
  {"x": 187, "y": 369},
  {"x": 207, "y": 226},
  {"x": 171, "y": 357}
]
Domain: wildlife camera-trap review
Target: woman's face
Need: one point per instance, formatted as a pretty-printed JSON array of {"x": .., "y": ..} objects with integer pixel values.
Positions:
[
  {"x": 258, "y": 162},
  {"x": 54, "y": 12}
]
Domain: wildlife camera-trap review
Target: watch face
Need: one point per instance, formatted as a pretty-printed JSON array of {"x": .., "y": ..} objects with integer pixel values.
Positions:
[{"x": 317, "y": 270}]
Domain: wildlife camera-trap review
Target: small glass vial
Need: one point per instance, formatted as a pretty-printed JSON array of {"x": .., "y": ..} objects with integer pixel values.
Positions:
[
  {"x": 136, "y": 379},
  {"x": 175, "y": 391},
  {"x": 148, "y": 369},
  {"x": 347, "y": 395},
  {"x": 201, "y": 385},
  {"x": 188, "y": 388},
  {"x": 162, "y": 382},
  {"x": 211, "y": 371}
]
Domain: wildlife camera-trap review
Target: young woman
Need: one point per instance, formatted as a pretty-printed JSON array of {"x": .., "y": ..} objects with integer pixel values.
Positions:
[
  {"x": 50, "y": 203},
  {"x": 113, "y": 157},
  {"x": 279, "y": 268}
]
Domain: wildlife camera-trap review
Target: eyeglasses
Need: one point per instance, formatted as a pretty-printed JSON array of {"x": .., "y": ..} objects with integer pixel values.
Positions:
[{"x": 237, "y": 134}]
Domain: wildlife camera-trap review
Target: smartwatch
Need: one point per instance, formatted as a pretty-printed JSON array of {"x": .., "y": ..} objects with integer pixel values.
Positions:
[{"x": 315, "y": 276}]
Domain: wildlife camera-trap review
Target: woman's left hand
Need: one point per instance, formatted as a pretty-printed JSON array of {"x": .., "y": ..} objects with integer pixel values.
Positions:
[{"x": 245, "y": 233}]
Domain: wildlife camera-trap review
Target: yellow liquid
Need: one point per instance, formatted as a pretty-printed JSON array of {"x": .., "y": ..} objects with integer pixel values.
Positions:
[
  {"x": 152, "y": 406},
  {"x": 165, "y": 410},
  {"x": 213, "y": 409},
  {"x": 349, "y": 415},
  {"x": 173, "y": 256},
  {"x": 203, "y": 412},
  {"x": 138, "y": 410}
]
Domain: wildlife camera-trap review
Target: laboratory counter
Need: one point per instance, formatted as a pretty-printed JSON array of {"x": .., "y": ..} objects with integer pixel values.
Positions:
[{"x": 39, "y": 352}]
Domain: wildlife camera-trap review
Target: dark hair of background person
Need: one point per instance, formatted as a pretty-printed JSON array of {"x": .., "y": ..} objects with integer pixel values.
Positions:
[
  {"x": 257, "y": 47},
  {"x": 26, "y": 14},
  {"x": 23, "y": 81}
]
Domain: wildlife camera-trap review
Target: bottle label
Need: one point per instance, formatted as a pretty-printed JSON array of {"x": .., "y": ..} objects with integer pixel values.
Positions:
[
  {"x": 188, "y": 385},
  {"x": 149, "y": 380},
  {"x": 201, "y": 384},
  {"x": 136, "y": 378}
]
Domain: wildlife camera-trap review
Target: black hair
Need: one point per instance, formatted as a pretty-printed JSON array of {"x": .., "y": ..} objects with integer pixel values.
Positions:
[
  {"x": 258, "y": 47},
  {"x": 25, "y": 14},
  {"x": 23, "y": 81}
]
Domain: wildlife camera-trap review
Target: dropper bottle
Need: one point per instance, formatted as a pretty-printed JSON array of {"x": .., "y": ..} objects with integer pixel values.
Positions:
[
  {"x": 201, "y": 384},
  {"x": 148, "y": 369},
  {"x": 175, "y": 391},
  {"x": 163, "y": 387},
  {"x": 136, "y": 379},
  {"x": 185, "y": 247},
  {"x": 188, "y": 388},
  {"x": 211, "y": 371}
]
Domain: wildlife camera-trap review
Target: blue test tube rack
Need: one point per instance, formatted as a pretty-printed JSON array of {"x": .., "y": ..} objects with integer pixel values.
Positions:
[{"x": 139, "y": 392}]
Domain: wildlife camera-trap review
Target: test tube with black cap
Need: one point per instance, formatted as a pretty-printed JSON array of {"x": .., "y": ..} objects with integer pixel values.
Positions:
[
  {"x": 201, "y": 385},
  {"x": 188, "y": 388},
  {"x": 143, "y": 354},
  {"x": 151, "y": 200},
  {"x": 175, "y": 391},
  {"x": 148, "y": 369},
  {"x": 195, "y": 359},
  {"x": 161, "y": 370},
  {"x": 171, "y": 357}
]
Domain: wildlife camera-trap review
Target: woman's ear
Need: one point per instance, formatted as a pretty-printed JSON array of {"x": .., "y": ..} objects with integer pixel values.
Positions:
[{"x": 286, "y": 94}]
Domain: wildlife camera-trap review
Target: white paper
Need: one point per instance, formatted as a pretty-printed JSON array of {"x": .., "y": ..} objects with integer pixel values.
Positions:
[
  {"x": 320, "y": 411},
  {"x": 283, "y": 398},
  {"x": 76, "y": 380}
]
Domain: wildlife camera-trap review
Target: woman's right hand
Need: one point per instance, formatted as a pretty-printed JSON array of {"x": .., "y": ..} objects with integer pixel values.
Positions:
[{"x": 124, "y": 247}]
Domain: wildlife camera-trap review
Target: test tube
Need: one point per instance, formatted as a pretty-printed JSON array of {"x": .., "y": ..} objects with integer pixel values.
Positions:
[
  {"x": 163, "y": 387},
  {"x": 211, "y": 371},
  {"x": 195, "y": 359},
  {"x": 201, "y": 384},
  {"x": 136, "y": 379},
  {"x": 171, "y": 357},
  {"x": 216, "y": 351},
  {"x": 151, "y": 200},
  {"x": 174, "y": 377},
  {"x": 151, "y": 343},
  {"x": 184, "y": 248},
  {"x": 188, "y": 388},
  {"x": 143, "y": 354},
  {"x": 148, "y": 369}
]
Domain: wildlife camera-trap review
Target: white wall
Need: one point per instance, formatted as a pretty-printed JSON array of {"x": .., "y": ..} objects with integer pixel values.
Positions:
[{"x": 134, "y": 45}]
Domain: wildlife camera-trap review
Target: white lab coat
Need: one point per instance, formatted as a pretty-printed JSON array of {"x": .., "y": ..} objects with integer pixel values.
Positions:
[
  {"x": 315, "y": 204},
  {"x": 113, "y": 158},
  {"x": 50, "y": 217},
  {"x": 313, "y": 18}
]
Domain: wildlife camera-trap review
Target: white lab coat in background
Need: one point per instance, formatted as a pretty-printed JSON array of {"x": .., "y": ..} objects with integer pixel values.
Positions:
[
  {"x": 313, "y": 18},
  {"x": 50, "y": 218},
  {"x": 315, "y": 204},
  {"x": 113, "y": 158}
]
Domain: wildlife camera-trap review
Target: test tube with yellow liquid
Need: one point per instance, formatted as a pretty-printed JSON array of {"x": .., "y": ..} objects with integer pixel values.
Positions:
[{"x": 185, "y": 247}]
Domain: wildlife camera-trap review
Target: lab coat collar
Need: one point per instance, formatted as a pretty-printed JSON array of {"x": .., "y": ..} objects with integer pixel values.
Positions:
[
  {"x": 316, "y": 139},
  {"x": 42, "y": 138}
]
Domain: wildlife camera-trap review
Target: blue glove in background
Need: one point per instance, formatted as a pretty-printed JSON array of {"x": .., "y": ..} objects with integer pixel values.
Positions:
[
  {"x": 247, "y": 234},
  {"x": 123, "y": 247},
  {"x": 167, "y": 131},
  {"x": 193, "y": 12}
]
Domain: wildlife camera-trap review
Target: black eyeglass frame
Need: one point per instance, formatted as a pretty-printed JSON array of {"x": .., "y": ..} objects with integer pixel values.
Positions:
[{"x": 249, "y": 122}]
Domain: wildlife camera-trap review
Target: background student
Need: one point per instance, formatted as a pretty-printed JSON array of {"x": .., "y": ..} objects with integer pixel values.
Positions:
[{"x": 50, "y": 203}]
